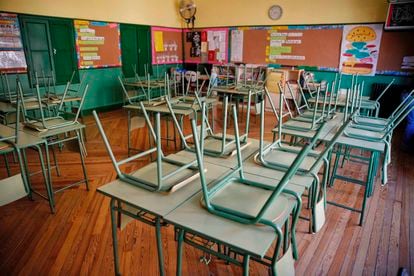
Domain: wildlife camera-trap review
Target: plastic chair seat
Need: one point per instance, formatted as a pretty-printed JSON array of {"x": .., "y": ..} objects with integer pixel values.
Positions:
[
  {"x": 283, "y": 155},
  {"x": 248, "y": 200},
  {"x": 366, "y": 133},
  {"x": 374, "y": 121},
  {"x": 148, "y": 174},
  {"x": 296, "y": 124},
  {"x": 5, "y": 148},
  {"x": 48, "y": 123}
]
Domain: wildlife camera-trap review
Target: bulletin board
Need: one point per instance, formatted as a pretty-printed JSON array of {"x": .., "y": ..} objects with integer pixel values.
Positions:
[
  {"x": 97, "y": 44},
  {"x": 12, "y": 59},
  {"x": 167, "y": 46},
  {"x": 292, "y": 46},
  {"x": 209, "y": 45},
  {"x": 320, "y": 46},
  {"x": 395, "y": 45}
]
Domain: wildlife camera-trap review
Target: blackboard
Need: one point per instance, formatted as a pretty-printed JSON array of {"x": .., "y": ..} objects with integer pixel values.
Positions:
[{"x": 400, "y": 16}]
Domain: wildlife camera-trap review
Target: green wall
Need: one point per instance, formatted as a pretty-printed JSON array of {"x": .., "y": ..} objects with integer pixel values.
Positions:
[{"x": 369, "y": 81}]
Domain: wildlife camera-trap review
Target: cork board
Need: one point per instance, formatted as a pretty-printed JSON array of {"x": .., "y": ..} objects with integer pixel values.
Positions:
[
  {"x": 212, "y": 45},
  {"x": 319, "y": 47},
  {"x": 97, "y": 44},
  {"x": 167, "y": 46},
  {"x": 394, "y": 46}
]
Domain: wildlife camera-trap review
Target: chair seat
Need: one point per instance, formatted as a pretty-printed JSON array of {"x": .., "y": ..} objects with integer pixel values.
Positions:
[
  {"x": 148, "y": 174},
  {"x": 248, "y": 200},
  {"x": 364, "y": 133},
  {"x": 49, "y": 123},
  {"x": 253, "y": 168},
  {"x": 5, "y": 148},
  {"x": 374, "y": 121},
  {"x": 292, "y": 124},
  {"x": 283, "y": 155}
]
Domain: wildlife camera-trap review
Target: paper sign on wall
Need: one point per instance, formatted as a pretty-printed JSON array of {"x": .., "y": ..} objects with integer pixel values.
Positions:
[
  {"x": 236, "y": 46},
  {"x": 158, "y": 41},
  {"x": 360, "y": 49}
]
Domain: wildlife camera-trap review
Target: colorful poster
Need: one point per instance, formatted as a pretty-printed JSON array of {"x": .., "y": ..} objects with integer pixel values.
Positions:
[
  {"x": 97, "y": 44},
  {"x": 360, "y": 49},
  {"x": 12, "y": 57},
  {"x": 158, "y": 41}
]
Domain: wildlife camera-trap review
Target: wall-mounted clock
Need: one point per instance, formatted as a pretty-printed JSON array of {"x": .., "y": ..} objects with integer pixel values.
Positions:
[{"x": 275, "y": 12}]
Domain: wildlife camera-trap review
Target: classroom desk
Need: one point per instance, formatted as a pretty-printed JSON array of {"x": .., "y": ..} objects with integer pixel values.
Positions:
[
  {"x": 55, "y": 137},
  {"x": 150, "y": 207},
  {"x": 244, "y": 239},
  {"x": 374, "y": 148},
  {"x": 25, "y": 141}
]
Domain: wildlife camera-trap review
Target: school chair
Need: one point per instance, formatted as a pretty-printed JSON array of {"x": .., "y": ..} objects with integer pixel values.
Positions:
[
  {"x": 383, "y": 135},
  {"x": 215, "y": 144},
  {"x": 162, "y": 175}
]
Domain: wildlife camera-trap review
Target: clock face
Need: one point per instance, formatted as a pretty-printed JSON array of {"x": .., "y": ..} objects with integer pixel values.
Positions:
[{"x": 275, "y": 12}]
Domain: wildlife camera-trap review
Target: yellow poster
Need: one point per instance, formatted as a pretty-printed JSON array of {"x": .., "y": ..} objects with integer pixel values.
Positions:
[{"x": 158, "y": 41}]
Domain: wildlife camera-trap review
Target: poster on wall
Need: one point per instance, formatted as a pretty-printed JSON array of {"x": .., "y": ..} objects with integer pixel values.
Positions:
[
  {"x": 217, "y": 43},
  {"x": 360, "y": 49},
  {"x": 97, "y": 44},
  {"x": 166, "y": 45},
  {"x": 12, "y": 57}
]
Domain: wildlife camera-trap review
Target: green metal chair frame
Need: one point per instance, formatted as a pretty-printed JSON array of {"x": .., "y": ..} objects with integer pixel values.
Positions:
[
  {"x": 160, "y": 185},
  {"x": 225, "y": 141},
  {"x": 299, "y": 124},
  {"x": 52, "y": 122},
  {"x": 381, "y": 124}
]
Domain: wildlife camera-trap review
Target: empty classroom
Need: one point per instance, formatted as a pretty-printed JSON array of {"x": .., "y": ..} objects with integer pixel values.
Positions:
[{"x": 205, "y": 137}]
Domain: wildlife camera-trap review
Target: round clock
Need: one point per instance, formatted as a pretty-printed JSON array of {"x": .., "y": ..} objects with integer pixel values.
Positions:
[{"x": 275, "y": 12}]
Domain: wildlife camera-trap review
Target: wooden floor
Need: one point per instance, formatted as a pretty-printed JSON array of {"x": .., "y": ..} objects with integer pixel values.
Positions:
[{"x": 77, "y": 239}]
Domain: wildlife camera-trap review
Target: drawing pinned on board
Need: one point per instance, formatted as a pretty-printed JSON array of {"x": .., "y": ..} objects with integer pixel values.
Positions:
[{"x": 360, "y": 48}]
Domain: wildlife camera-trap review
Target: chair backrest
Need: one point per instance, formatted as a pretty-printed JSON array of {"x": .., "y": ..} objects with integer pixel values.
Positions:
[{"x": 159, "y": 184}]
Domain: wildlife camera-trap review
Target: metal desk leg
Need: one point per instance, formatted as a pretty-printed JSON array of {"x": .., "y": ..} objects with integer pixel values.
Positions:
[
  {"x": 82, "y": 160},
  {"x": 159, "y": 246},
  {"x": 180, "y": 241},
  {"x": 369, "y": 185},
  {"x": 114, "y": 237},
  {"x": 246, "y": 260},
  {"x": 47, "y": 182}
]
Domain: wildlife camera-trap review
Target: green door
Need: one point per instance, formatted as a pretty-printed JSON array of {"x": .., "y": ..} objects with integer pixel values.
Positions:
[
  {"x": 63, "y": 49},
  {"x": 136, "y": 48},
  {"x": 37, "y": 46},
  {"x": 144, "y": 49},
  {"x": 129, "y": 49}
]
